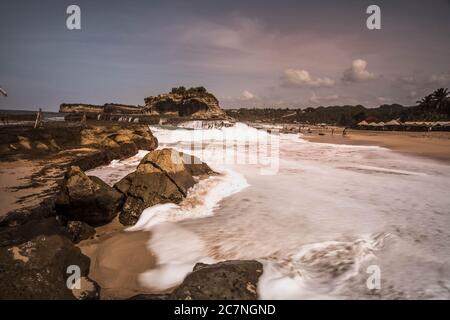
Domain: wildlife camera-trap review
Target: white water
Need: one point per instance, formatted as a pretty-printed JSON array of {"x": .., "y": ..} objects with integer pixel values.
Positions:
[{"x": 328, "y": 213}]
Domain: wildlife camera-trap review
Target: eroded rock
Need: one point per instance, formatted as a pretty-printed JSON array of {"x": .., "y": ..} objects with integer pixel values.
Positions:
[
  {"x": 228, "y": 280},
  {"x": 37, "y": 269},
  {"x": 162, "y": 176},
  {"x": 87, "y": 199}
]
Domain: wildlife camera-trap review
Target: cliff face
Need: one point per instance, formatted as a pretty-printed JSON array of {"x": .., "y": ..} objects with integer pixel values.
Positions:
[
  {"x": 113, "y": 108},
  {"x": 196, "y": 103},
  {"x": 80, "y": 108}
]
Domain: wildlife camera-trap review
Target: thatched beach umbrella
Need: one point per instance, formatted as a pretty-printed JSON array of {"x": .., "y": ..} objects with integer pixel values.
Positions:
[
  {"x": 392, "y": 123},
  {"x": 363, "y": 123}
]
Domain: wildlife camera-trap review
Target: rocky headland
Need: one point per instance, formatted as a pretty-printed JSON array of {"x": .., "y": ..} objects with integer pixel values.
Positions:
[{"x": 180, "y": 104}]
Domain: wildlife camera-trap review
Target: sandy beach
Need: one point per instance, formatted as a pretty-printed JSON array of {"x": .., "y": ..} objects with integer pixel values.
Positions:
[
  {"x": 117, "y": 258},
  {"x": 434, "y": 145}
]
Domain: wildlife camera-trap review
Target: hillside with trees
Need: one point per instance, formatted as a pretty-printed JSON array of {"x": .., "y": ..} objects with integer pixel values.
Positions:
[{"x": 433, "y": 107}]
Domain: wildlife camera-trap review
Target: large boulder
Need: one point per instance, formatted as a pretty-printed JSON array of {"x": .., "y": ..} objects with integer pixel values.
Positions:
[
  {"x": 161, "y": 177},
  {"x": 38, "y": 269},
  {"x": 195, "y": 166},
  {"x": 87, "y": 199},
  {"x": 228, "y": 280}
]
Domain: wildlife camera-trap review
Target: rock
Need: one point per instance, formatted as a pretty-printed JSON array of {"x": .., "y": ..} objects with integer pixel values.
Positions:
[
  {"x": 37, "y": 269},
  {"x": 78, "y": 231},
  {"x": 228, "y": 280},
  {"x": 14, "y": 235},
  {"x": 195, "y": 166},
  {"x": 150, "y": 296},
  {"x": 161, "y": 177},
  {"x": 171, "y": 163},
  {"x": 131, "y": 210},
  {"x": 196, "y": 103},
  {"x": 87, "y": 199}
]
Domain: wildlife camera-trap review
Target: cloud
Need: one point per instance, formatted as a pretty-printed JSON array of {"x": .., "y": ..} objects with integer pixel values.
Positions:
[
  {"x": 441, "y": 79},
  {"x": 412, "y": 94},
  {"x": 247, "y": 95},
  {"x": 293, "y": 78},
  {"x": 335, "y": 99},
  {"x": 384, "y": 100},
  {"x": 358, "y": 72}
]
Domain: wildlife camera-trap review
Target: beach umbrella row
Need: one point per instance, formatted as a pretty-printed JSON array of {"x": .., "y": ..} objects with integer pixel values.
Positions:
[{"x": 407, "y": 123}]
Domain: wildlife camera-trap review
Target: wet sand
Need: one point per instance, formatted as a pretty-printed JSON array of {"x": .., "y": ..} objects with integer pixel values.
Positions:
[
  {"x": 118, "y": 257},
  {"x": 434, "y": 145}
]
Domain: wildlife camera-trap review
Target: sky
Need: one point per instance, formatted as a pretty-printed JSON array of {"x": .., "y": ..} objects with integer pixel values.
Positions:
[{"x": 248, "y": 53}]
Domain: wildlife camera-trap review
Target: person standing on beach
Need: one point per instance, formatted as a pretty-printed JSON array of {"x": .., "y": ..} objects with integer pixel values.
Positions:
[
  {"x": 39, "y": 118},
  {"x": 83, "y": 120}
]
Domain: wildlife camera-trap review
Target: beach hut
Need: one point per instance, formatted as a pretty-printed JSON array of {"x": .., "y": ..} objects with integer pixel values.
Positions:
[
  {"x": 392, "y": 123},
  {"x": 363, "y": 123}
]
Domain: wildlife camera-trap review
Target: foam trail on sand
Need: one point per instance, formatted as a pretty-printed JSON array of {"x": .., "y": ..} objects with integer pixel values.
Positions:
[{"x": 117, "y": 169}]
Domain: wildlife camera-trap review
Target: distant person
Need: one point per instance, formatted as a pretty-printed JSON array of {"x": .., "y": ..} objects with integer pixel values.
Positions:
[
  {"x": 39, "y": 119},
  {"x": 344, "y": 133},
  {"x": 332, "y": 131},
  {"x": 83, "y": 120}
]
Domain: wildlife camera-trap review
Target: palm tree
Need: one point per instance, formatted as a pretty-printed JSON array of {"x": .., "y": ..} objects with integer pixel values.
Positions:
[
  {"x": 426, "y": 101},
  {"x": 440, "y": 96}
]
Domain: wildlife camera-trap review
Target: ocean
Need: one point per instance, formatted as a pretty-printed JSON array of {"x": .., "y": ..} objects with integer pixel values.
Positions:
[{"x": 327, "y": 221}]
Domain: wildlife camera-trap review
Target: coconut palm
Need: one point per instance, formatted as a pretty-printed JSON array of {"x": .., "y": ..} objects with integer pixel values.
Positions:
[
  {"x": 440, "y": 96},
  {"x": 426, "y": 101}
]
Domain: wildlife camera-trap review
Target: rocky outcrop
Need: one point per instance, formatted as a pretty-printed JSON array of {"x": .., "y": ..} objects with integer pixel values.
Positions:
[
  {"x": 58, "y": 137},
  {"x": 196, "y": 103},
  {"x": 87, "y": 199},
  {"x": 79, "y": 230},
  {"x": 228, "y": 280},
  {"x": 37, "y": 269},
  {"x": 80, "y": 108},
  {"x": 162, "y": 176},
  {"x": 114, "y": 108}
]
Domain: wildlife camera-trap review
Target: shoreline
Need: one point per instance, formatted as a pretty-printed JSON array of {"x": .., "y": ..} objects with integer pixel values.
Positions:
[{"x": 430, "y": 145}]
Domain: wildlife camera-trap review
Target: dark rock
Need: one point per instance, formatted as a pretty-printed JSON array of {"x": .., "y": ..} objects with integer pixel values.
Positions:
[
  {"x": 131, "y": 210},
  {"x": 87, "y": 199},
  {"x": 78, "y": 231},
  {"x": 195, "y": 166},
  {"x": 37, "y": 269},
  {"x": 150, "y": 297},
  {"x": 161, "y": 177},
  {"x": 14, "y": 235},
  {"x": 170, "y": 162},
  {"x": 18, "y": 217},
  {"x": 228, "y": 280}
]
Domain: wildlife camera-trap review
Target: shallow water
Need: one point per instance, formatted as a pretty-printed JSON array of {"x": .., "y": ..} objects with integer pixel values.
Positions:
[{"x": 327, "y": 213}]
